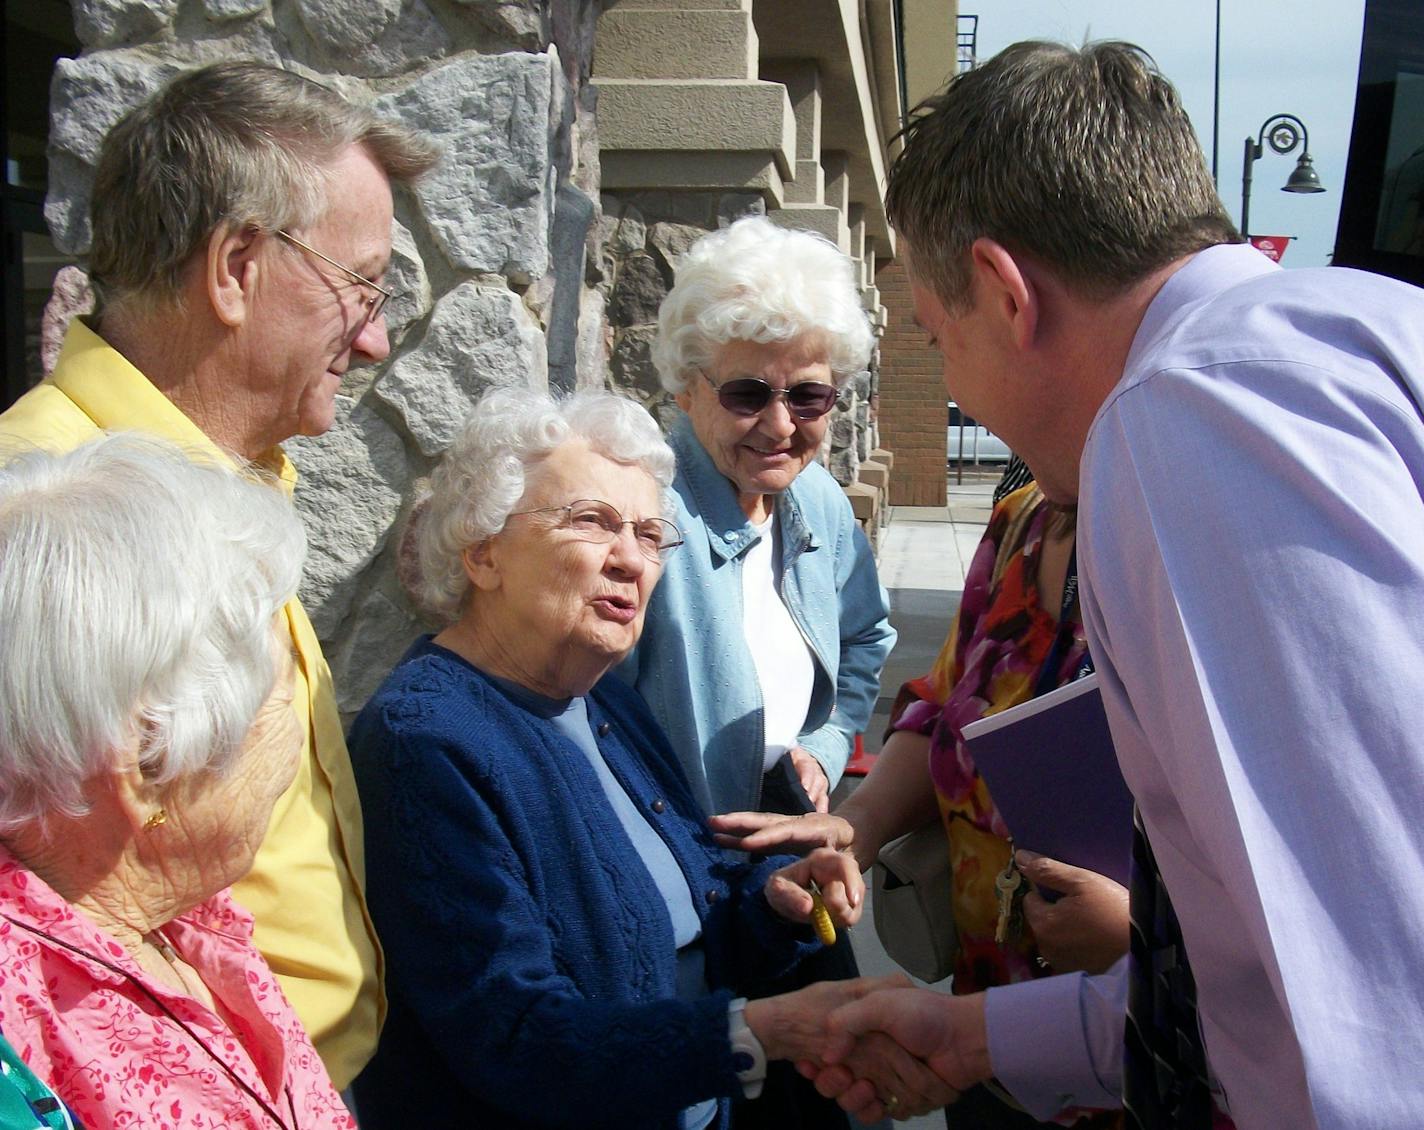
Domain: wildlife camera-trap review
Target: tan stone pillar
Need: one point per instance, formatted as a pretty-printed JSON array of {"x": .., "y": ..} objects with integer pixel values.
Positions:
[
  {"x": 806, "y": 206},
  {"x": 680, "y": 105}
]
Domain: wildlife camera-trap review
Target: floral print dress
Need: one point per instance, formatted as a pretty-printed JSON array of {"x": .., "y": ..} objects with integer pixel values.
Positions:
[{"x": 991, "y": 661}]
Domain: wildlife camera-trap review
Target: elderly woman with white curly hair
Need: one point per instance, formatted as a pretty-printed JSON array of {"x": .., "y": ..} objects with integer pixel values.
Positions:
[
  {"x": 564, "y": 942},
  {"x": 765, "y": 640},
  {"x": 148, "y": 729}
]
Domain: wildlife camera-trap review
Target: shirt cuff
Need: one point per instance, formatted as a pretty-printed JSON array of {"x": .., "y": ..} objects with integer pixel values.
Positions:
[
  {"x": 1057, "y": 1042},
  {"x": 830, "y": 746}
]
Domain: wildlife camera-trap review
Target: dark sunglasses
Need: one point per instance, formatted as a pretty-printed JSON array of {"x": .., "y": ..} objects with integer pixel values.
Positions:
[{"x": 746, "y": 396}]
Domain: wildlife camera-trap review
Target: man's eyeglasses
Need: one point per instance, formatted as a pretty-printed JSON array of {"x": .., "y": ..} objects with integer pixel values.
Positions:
[
  {"x": 747, "y": 396},
  {"x": 595, "y": 521},
  {"x": 373, "y": 304}
]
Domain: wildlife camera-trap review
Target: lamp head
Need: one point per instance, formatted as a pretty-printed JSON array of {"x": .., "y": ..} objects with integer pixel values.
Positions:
[{"x": 1304, "y": 177}]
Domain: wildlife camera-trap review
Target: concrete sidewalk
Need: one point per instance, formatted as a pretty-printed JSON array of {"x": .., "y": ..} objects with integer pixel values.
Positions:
[{"x": 924, "y": 554}]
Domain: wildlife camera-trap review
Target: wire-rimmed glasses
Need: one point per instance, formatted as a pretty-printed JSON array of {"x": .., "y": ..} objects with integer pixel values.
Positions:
[
  {"x": 375, "y": 304},
  {"x": 747, "y": 396},
  {"x": 593, "y": 520}
]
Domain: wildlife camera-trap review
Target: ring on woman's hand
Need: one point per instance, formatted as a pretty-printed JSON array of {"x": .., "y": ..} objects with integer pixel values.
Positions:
[
  {"x": 1042, "y": 962},
  {"x": 892, "y": 1102}
]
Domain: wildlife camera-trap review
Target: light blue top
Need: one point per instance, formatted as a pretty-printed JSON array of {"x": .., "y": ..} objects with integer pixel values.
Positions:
[
  {"x": 693, "y": 665},
  {"x": 1251, "y": 540}
]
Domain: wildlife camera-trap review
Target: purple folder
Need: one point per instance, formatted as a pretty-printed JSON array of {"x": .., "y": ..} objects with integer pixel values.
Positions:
[{"x": 1051, "y": 769}]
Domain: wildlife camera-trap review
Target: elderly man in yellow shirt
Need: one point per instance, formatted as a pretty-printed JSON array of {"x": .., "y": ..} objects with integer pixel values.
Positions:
[{"x": 235, "y": 287}]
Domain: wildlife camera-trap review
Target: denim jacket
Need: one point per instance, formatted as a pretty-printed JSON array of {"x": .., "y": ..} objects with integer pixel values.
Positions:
[{"x": 693, "y": 665}]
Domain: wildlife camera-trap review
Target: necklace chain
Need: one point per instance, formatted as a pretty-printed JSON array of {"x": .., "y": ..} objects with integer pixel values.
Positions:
[{"x": 158, "y": 941}]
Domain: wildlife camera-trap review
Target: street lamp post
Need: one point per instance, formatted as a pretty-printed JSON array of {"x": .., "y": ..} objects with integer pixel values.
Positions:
[{"x": 1283, "y": 133}]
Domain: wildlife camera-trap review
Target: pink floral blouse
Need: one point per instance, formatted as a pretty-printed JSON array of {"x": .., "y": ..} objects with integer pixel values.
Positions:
[{"x": 126, "y": 1051}]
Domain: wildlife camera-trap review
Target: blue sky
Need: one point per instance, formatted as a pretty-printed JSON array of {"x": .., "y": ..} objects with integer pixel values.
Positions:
[{"x": 1293, "y": 56}]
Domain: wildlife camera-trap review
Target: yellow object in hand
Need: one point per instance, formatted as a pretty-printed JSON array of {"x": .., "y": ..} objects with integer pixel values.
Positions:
[{"x": 821, "y": 917}]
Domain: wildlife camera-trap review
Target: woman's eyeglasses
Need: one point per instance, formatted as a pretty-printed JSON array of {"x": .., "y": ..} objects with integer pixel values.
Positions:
[
  {"x": 595, "y": 521},
  {"x": 747, "y": 396}
]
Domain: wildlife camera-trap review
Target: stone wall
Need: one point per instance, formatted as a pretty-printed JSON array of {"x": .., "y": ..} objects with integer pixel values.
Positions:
[{"x": 490, "y": 250}]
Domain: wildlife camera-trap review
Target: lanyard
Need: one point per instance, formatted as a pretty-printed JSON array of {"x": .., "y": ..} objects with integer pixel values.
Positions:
[{"x": 1063, "y": 637}]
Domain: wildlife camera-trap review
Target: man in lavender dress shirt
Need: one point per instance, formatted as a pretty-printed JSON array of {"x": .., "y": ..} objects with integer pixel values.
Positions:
[{"x": 1246, "y": 449}]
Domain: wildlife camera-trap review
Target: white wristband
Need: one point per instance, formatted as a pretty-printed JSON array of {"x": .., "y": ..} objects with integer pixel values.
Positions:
[{"x": 748, "y": 1056}]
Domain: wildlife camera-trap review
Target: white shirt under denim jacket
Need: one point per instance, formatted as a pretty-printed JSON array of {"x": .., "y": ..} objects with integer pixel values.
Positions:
[{"x": 693, "y": 665}]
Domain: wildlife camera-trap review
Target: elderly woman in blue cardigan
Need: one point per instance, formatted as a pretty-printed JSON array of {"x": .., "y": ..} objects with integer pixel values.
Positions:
[{"x": 565, "y": 944}]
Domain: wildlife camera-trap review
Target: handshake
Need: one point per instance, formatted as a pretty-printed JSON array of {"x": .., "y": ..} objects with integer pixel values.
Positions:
[{"x": 878, "y": 1045}]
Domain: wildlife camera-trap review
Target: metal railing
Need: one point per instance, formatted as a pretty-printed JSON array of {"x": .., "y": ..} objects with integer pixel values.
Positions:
[{"x": 966, "y": 42}]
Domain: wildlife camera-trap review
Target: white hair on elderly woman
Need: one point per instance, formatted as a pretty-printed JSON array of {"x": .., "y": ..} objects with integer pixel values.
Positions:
[
  {"x": 138, "y": 587},
  {"x": 755, "y": 281},
  {"x": 481, "y": 479}
]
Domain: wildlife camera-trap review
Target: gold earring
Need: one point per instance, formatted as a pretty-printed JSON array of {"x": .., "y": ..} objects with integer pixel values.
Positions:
[{"x": 159, "y": 817}]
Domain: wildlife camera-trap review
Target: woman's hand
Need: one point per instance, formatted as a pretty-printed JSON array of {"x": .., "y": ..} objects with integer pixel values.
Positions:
[
  {"x": 945, "y": 1034},
  {"x": 770, "y": 831},
  {"x": 794, "y": 1025},
  {"x": 1087, "y": 928},
  {"x": 812, "y": 776},
  {"x": 835, "y": 872}
]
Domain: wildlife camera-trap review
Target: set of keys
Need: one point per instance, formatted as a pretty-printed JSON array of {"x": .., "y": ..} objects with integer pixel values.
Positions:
[{"x": 1010, "y": 886}]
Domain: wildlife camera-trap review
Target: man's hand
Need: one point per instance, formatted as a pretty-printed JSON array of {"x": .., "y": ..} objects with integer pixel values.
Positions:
[
  {"x": 904, "y": 1086},
  {"x": 835, "y": 872},
  {"x": 948, "y": 1033},
  {"x": 1087, "y": 928}
]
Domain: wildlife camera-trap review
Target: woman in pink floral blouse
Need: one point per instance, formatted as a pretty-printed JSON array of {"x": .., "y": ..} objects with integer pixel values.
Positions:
[{"x": 146, "y": 734}]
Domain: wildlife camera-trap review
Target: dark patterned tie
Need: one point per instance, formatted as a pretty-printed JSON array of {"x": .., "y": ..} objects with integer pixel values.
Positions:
[{"x": 1164, "y": 1075}]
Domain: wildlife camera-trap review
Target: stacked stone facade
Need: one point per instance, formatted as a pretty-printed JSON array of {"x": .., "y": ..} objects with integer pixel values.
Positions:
[
  {"x": 489, "y": 250},
  {"x": 701, "y": 122}
]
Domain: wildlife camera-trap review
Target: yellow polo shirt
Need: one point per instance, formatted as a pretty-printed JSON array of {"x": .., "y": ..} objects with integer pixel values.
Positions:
[{"x": 306, "y": 887}]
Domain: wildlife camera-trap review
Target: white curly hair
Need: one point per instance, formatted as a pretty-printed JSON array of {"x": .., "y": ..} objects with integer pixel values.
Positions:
[
  {"x": 755, "y": 281},
  {"x": 482, "y": 476}
]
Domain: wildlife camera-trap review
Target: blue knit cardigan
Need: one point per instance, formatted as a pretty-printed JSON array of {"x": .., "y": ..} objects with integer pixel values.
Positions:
[{"x": 530, "y": 962}]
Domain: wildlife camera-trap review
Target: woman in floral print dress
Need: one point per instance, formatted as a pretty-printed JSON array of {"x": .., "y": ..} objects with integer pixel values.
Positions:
[{"x": 1015, "y": 636}]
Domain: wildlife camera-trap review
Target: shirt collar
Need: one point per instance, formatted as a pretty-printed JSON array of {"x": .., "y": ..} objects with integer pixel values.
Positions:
[
  {"x": 117, "y": 397},
  {"x": 1207, "y": 273},
  {"x": 28, "y": 899},
  {"x": 713, "y": 498}
]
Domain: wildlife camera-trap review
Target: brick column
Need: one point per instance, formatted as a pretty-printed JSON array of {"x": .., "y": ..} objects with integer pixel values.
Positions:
[{"x": 913, "y": 415}]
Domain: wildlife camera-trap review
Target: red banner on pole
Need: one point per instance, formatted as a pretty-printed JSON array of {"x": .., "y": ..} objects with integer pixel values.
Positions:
[{"x": 1271, "y": 246}]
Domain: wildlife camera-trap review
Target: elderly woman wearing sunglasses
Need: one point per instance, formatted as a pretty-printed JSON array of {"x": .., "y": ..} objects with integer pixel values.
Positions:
[{"x": 762, "y": 651}]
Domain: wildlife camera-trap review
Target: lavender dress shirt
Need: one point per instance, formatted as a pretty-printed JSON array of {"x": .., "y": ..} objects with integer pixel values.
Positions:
[{"x": 1251, "y": 542}]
